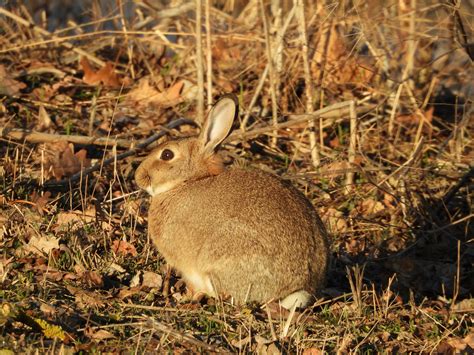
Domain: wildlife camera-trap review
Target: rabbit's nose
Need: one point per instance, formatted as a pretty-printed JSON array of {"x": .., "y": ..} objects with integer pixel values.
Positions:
[{"x": 142, "y": 178}]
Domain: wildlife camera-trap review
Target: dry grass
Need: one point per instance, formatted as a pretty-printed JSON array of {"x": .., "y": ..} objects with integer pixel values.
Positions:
[{"x": 393, "y": 181}]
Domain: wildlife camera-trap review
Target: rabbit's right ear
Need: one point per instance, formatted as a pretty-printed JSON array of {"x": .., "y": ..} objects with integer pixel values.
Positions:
[{"x": 219, "y": 122}]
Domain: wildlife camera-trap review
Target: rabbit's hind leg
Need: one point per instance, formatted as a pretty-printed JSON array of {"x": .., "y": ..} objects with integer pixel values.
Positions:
[{"x": 301, "y": 298}]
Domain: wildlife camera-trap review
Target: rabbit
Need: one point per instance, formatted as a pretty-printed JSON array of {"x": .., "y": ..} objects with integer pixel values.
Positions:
[{"x": 236, "y": 232}]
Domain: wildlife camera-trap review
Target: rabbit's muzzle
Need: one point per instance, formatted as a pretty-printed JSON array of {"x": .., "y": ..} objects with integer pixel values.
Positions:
[{"x": 142, "y": 178}]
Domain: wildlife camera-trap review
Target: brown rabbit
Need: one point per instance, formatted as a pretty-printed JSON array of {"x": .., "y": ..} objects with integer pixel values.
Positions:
[{"x": 242, "y": 233}]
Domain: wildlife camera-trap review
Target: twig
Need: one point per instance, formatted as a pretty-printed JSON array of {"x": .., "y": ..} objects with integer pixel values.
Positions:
[
  {"x": 163, "y": 328},
  {"x": 465, "y": 37},
  {"x": 393, "y": 112},
  {"x": 93, "y": 113},
  {"x": 254, "y": 98},
  {"x": 208, "y": 53},
  {"x": 352, "y": 145},
  {"x": 330, "y": 113},
  {"x": 127, "y": 40},
  {"x": 412, "y": 44},
  {"x": 25, "y": 135},
  {"x": 272, "y": 72},
  {"x": 261, "y": 82},
  {"x": 49, "y": 34},
  {"x": 140, "y": 146},
  {"x": 199, "y": 63},
  {"x": 308, "y": 81}
]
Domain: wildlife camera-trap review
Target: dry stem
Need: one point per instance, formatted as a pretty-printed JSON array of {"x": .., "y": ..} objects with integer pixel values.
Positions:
[{"x": 199, "y": 64}]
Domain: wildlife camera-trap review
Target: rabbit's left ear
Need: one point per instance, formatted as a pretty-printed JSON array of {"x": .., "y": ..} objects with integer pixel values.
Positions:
[{"x": 219, "y": 122}]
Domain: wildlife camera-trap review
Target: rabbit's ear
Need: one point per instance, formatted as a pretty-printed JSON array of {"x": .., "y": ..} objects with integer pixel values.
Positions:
[{"x": 219, "y": 122}]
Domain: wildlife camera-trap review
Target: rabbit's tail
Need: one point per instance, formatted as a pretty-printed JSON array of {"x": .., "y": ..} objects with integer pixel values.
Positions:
[{"x": 301, "y": 298}]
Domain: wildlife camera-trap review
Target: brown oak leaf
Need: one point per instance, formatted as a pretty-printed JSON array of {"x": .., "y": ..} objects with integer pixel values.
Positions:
[
  {"x": 124, "y": 248},
  {"x": 105, "y": 75}
]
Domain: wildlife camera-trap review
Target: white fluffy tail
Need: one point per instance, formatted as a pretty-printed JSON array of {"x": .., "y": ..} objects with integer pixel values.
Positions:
[{"x": 301, "y": 298}]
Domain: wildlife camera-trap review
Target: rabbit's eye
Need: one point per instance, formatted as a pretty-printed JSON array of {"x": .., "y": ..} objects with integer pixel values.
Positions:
[{"x": 167, "y": 154}]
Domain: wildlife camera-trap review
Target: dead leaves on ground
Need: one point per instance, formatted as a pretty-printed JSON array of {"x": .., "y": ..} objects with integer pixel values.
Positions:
[
  {"x": 10, "y": 312},
  {"x": 105, "y": 75},
  {"x": 146, "y": 95},
  {"x": 41, "y": 245},
  {"x": 334, "y": 61},
  {"x": 61, "y": 161},
  {"x": 8, "y": 85},
  {"x": 124, "y": 248}
]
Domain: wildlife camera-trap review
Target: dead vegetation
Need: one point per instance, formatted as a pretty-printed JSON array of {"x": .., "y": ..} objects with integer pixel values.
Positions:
[{"x": 365, "y": 107}]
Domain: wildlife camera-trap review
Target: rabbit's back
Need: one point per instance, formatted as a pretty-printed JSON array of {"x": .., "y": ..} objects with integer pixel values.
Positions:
[{"x": 255, "y": 235}]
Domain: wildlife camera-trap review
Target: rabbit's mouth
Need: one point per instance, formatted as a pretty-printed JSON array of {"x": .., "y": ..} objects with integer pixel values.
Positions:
[
  {"x": 142, "y": 178},
  {"x": 159, "y": 189}
]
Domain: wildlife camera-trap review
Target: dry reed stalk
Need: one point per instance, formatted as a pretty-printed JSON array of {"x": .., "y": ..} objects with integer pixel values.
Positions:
[
  {"x": 456, "y": 286},
  {"x": 418, "y": 112},
  {"x": 179, "y": 336},
  {"x": 308, "y": 81},
  {"x": 276, "y": 42},
  {"x": 199, "y": 64},
  {"x": 412, "y": 44},
  {"x": 127, "y": 40},
  {"x": 208, "y": 53},
  {"x": 270, "y": 323},
  {"x": 43, "y": 32},
  {"x": 355, "y": 275},
  {"x": 352, "y": 146},
  {"x": 393, "y": 111},
  {"x": 320, "y": 57},
  {"x": 333, "y": 113},
  {"x": 264, "y": 75},
  {"x": 271, "y": 69},
  {"x": 255, "y": 96},
  {"x": 92, "y": 114},
  {"x": 288, "y": 322},
  {"x": 41, "y": 137}
]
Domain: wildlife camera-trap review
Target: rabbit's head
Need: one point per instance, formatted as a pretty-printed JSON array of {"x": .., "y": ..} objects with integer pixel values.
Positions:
[{"x": 177, "y": 161}]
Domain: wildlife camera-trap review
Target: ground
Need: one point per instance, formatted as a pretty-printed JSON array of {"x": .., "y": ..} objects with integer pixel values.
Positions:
[{"x": 367, "y": 109}]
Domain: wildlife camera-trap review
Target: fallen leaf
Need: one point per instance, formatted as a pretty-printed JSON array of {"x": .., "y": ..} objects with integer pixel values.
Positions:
[
  {"x": 124, "y": 248},
  {"x": 100, "y": 334},
  {"x": 8, "y": 85},
  {"x": 81, "y": 217},
  {"x": 85, "y": 298},
  {"x": 335, "y": 143},
  {"x": 44, "y": 121},
  {"x": 370, "y": 207},
  {"x": 50, "y": 330},
  {"x": 41, "y": 245},
  {"x": 92, "y": 279},
  {"x": 106, "y": 75},
  {"x": 340, "y": 65},
  {"x": 466, "y": 305},
  {"x": 147, "y": 95},
  {"x": 4, "y": 268},
  {"x": 414, "y": 118},
  {"x": 48, "y": 309},
  {"x": 128, "y": 292},
  {"x": 61, "y": 161},
  {"x": 226, "y": 54},
  {"x": 355, "y": 246},
  {"x": 312, "y": 351},
  {"x": 40, "y": 201},
  {"x": 152, "y": 280},
  {"x": 334, "y": 219}
]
